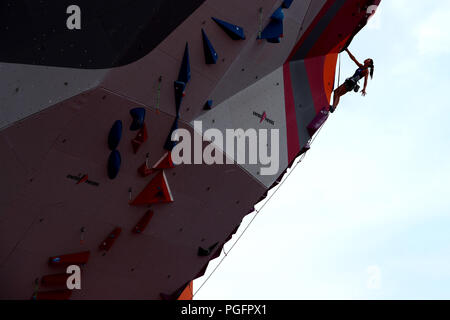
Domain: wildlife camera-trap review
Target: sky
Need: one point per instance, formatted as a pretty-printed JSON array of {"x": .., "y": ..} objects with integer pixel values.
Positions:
[{"x": 366, "y": 214}]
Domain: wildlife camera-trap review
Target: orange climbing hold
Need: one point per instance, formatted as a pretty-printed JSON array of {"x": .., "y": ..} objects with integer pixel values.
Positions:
[
  {"x": 143, "y": 223},
  {"x": 157, "y": 191},
  {"x": 109, "y": 241},
  {"x": 69, "y": 259}
]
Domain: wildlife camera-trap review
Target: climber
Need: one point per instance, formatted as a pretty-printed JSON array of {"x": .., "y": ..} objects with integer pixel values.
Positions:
[{"x": 352, "y": 82}]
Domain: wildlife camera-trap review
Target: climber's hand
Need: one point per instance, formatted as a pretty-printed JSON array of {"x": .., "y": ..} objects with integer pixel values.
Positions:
[{"x": 363, "y": 93}]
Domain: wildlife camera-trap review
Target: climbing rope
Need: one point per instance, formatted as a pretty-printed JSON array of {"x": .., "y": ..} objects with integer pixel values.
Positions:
[{"x": 302, "y": 157}]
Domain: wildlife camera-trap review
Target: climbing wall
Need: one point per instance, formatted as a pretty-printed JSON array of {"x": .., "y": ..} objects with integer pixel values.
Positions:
[{"x": 89, "y": 178}]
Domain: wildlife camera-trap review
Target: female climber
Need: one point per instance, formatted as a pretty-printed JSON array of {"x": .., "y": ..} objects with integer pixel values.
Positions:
[{"x": 352, "y": 82}]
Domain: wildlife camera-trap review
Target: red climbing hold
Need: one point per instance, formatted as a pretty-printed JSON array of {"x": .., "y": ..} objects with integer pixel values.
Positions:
[
  {"x": 55, "y": 280},
  {"x": 53, "y": 295},
  {"x": 141, "y": 137},
  {"x": 164, "y": 163},
  {"x": 69, "y": 259},
  {"x": 109, "y": 241},
  {"x": 157, "y": 191},
  {"x": 142, "y": 224}
]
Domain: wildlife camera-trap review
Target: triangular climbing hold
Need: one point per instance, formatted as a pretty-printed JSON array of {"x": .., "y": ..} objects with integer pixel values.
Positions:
[
  {"x": 164, "y": 163},
  {"x": 157, "y": 191},
  {"x": 141, "y": 137},
  {"x": 210, "y": 54},
  {"x": 143, "y": 223},
  {"x": 274, "y": 30},
  {"x": 69, "y": 259},
  {"x": 169, "y": 144},
  {"x": 287, "y": 3},
  {"x": 233, "y": 31},
  {"x": 185, "y": 70}
]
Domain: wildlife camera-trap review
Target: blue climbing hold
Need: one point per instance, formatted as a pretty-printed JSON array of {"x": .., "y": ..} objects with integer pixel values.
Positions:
[
  {"x": 115, "y": 134},
  {"x": 179, "y": 87},
  {"x": 278, "y": 14},
  {"x": 210, "y": 53},
  {"x": 114, "y": 163},
  {"x": 235, "y": 32},
  {"x": 169, "y": 145},
  {"x": 274, "y": 30},
  {"x": 287, "y": 3},
  {"x": 185, "y": 70},
  {"x": 138, "y": 115}
]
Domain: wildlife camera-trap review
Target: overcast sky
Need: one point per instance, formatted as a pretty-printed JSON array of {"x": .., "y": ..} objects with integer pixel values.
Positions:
[{"x": 366, "y": 215}]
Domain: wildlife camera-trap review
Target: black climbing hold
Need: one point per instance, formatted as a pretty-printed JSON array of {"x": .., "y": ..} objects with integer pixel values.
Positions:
[
  {"x": 115, "y": 134},
  {"x": 208, "y": 105},
  {"x": 138, "y": 115},
  {"x": 233, "y": 31},
  {"x": 210, "y": 54},
  {"x": 202, "y": 252},
  {"x": 114, "y": 163},
  {"x": 179, "y": 87},
  {"x": 185, "y": 70}
]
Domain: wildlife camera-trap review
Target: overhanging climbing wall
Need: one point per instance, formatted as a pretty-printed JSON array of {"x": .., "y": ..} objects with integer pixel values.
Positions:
[{"x": 88, "y": 175}]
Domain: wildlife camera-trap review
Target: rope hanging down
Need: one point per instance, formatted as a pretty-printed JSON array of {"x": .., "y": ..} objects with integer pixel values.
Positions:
[{"x": 258, "y": 212}]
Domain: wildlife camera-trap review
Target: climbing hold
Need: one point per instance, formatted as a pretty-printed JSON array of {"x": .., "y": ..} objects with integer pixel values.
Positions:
[
  {"x": 185, "y": 70},
  {"x": 83, "y": 179},
  {"x": 143, "y": 223},
  {"x": 55, "y": 280},
  {"x": 114, "y": 163},
  {"x": 179, "y": 94},
  {"x": 274, "y": 30},
  {"x": 169, "y": 144},
  {"x": 157, "y": 191},
  {"x": 53, "y": 295},
  {"x": 208, "y": 105},
  {"x": 202, "y": 252},
  {"x": 69, "y": 259},
  {"x": 164, "y": 163},
  {"x": 210, "y": 54},
  {"x": 318, "y": 121},
  {"x": 141, "y": 137},
  {"x": 174, "y": 295},
  {"x": 287, "y": 3},
  {"x": 138, "y": 115},
  {"x": 115, "y": 134},
  {"x": 110, "y": 239},
  {"x": 233, "y": 31}
]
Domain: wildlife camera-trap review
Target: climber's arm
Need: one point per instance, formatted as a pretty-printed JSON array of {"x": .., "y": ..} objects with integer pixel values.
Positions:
[{"x": 353, "y": 58}]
